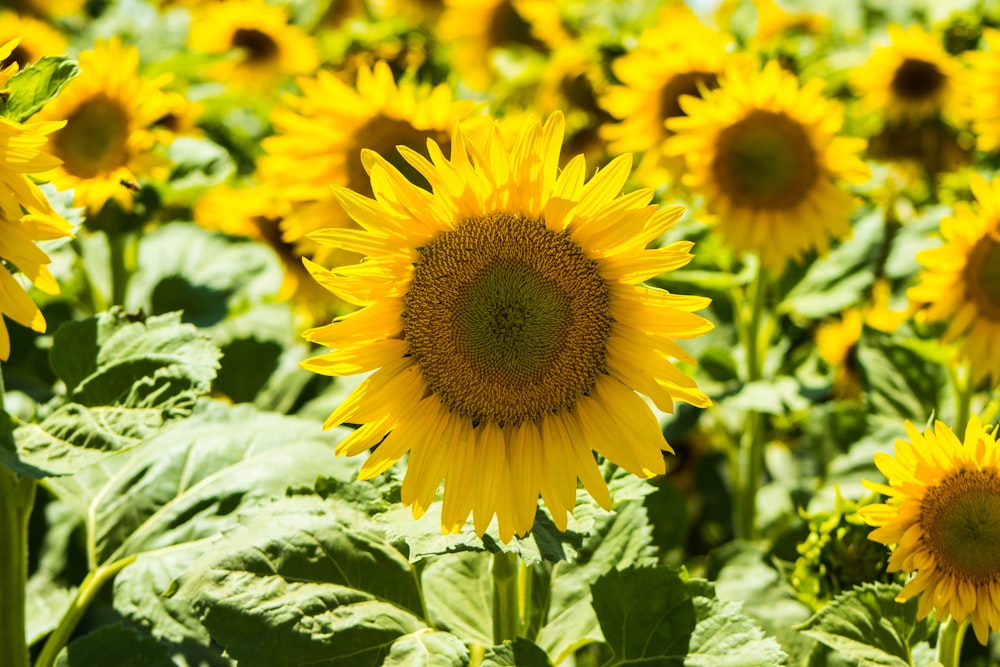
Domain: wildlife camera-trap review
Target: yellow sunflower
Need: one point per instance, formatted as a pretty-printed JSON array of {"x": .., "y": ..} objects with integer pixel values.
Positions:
[
  {"x": 321, "y": 133},
  {"x": 508, "y": 327},
  {"x": 911, "y": 79},
  {"x": 475, "y": 29},
  {"x": 263, "y": 46},
  {"x": 765, "y": 155},
  {"x": 25, "y": 216},
  {"x": 983, "y": 92},
  {"x": 48, "y": 8},
  {"x": 37, "y": 39},
  {"x": 960, "y": 283},
  {"x": 677, "y": 56},
  {"x": 943, "y": 515},
  {"x": 110, "y": 114}
]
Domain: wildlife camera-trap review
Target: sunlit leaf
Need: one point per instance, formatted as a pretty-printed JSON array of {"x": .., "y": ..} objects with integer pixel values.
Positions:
[{"x": 36, "y": 84}]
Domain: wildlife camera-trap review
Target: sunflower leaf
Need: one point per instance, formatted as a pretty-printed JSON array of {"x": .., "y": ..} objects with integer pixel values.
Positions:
[
  {"x": 115, "y": 646},
  {"x": 866, "y": 624},
  {"x": 427, "y": 648},
  {"x": 127, "y": 377},
  {"x": 518, "y": 653},
  {"x": 900, "y": 381},
  {"x": 306, "y": 581},
  {"x": 32, "y": 87}
]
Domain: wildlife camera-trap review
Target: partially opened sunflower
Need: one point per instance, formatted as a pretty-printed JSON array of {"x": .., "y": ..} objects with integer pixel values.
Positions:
[{"x": 506, "y": 323}]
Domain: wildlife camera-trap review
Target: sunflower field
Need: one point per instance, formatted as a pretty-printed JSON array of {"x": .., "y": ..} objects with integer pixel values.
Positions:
[{"x": 493, "y": 333}]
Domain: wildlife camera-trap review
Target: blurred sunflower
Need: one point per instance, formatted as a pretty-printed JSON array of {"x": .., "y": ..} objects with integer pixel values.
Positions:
[
  {"x": 960, "y": 283},
  {"x": 263, "y": 46},
  {"x": 509, "y": 326},
  {"x": 321, "y": 133},
  {"x": 108, "y": 138},
  {"x": 911, "y": 79},
  {"x": 983, "y": 92},
  {"x": 677, "y": 56},
  {"x": 774, "y": 22},
  {"x": 941, "y": 513},
  {"x": 48, "y": 8},
  {"x": 765, "y": 155},
  {"x": 26, "y": 216},
  {"x": 36, "y": 39},
  {"x": 475, "y": 29}
]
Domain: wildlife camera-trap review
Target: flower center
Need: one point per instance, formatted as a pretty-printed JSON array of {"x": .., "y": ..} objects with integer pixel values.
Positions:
[
  {"x": 507, "y": 27},
  {"x": 93, "y": 140},
  {"x": 982, "y": 277},
  {"x": 382, "y": 134},
  {"x": 916, "y": 79},
  {"x": 685, "y": 83},
  {"x": 961, "y": 522},
  {"x": 765, "y": 161},
  {"x": 19, "y": 55},
  {"x": 507, "y": 319},
  {"x": 258, "y": 46}
]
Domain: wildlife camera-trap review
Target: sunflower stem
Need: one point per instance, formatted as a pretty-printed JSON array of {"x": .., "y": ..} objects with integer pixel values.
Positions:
[
  {"x": 121, "y": 245},
  {"x": 950, "y": 637},
  {"x": 963, "y": 384},
  {"x": 752, "y": 444},
  {"x": 17, "y": 498},
  {"x": 89, "y": 589},
  {"x": 506, "y": 594}
]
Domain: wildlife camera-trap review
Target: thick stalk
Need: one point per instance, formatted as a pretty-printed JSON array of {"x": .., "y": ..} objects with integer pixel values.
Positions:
[
  {"x": 17, "y": 497},
  {"x": 506, "y": 602},
  {"x": 121, "y": 246},
  {"x": 950, "y": 638},
  {"x": 964, "y": 387},
  {"x": 752, "y": 443},
  {"x": 89, "y": 589}
]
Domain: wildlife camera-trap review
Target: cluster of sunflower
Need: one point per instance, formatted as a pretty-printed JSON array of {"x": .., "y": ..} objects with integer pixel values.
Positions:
[{"x": 469, "y": 198}]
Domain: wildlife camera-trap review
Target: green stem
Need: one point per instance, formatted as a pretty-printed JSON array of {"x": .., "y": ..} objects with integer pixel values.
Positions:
[
  {"x": 120, "y": 245},
  {"x": 17, "y": 498},
  {"x": 751, "y": 453},
  {"x": 964, "y": 386},
  {"x": 89, "y": 589},
  {"x": 506, "y": 603},
  {"x": 950, "y": 638}
]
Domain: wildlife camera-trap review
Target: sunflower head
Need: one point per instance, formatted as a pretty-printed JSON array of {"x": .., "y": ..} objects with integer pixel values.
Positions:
[
  {"x": 983, "y": 92},
  {"x": 260, "y": 45},
  {"x": 504, "y": 315},
  {"x": 960, "y": 282},
  {"x": 110, "y": 111},
  {"x": 35, "y": 39},
  {"x": 942, "y": 513},
  {"x": 765, "y": 155},
  {"x": 910, "y": 79}
]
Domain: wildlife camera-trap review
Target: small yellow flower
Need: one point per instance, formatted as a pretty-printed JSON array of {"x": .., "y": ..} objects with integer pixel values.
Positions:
[{"x": 943, "y": 514}]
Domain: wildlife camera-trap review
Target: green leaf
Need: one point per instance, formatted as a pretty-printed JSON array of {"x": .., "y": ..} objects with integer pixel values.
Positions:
[
  {"x": 306, "y": 582},
  {"x": 458, "y": 589},
  {"x": 115, "y": 646},
  {"x": 899, "y": 380},
  {"x": 47, "y": 601},
  {"x": 126, "y": 379},
  {"x": 35, "y": 85},
  {"x": 775, "y": 396},
  {"x": 643, "y": 628},
  {"x": 198, "y": 164},
  {"x": 868, "y": 625},
  {"x": 518, "y": 653},
  {"x": 427, "y": 648},
  {"x": 724, "y": 637},
  {"x": 622, "y": 539}
]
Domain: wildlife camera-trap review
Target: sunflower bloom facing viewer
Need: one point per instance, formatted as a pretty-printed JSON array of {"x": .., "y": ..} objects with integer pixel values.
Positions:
[
  {"x": 943, "y": 514},
  {"x": 508, "y": 327},
  {"x": 25, "y": 217},
  {"x": 764, "y": 154},
  {"x": 960, "y": 283}
]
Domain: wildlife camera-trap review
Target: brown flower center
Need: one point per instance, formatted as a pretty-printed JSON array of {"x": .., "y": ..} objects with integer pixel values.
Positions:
[
  {"x": 916, "y": 80},
  {"x": 507, "y": 319},
  {"x": 93, "y": 140},
  {"x": 960, "y": 518},
  {"x": 982, "y": 277},
  {"x": 382, "y": 134},
  {"x": 765, "y": 161},
  {"x": 685, "y": 83},
  {"x": 258, "y": 46}
]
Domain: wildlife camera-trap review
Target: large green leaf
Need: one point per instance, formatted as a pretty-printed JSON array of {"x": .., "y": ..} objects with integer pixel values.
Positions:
[
  {"x": 427, "y": 648},
  {"x": 126, "y": 378},
  {"x": 518, "y": 653},
  {"x": 621, "y": 539},
  {"x": 900, "y": 380},
  {"x": 306, "y": 582},
  {"x": 35, "y": 85},
  {"x": 115, "y": 646},
  {"x": 868, "y": 625},
  {"x": 458, "y": 589},
  {"x": 724, "y": 637}
]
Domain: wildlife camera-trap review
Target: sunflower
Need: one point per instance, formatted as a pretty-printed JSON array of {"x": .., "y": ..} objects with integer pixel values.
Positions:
[
  {"x": 677, "y": 56},
  {"x": 476, "y": 29},
  {"x": 943, "y": 515},
  {"x": 320, "y": 135},
  {"x": 960, "y": 283},
  {"x": 765, "y": 155},
  {"x": 37, "y": 39},
  {"x": 509, "y": 326},
  {"x": 26, "y": 216},
  {"x": 267, "y": 47},
  {"x": 911, "y": 79},
  {"x": 48, "y": 8},
  {"x": 983, "y": 92},
  {"x": 108, "y": 138},
  {"x": 774, "y": 21}
]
